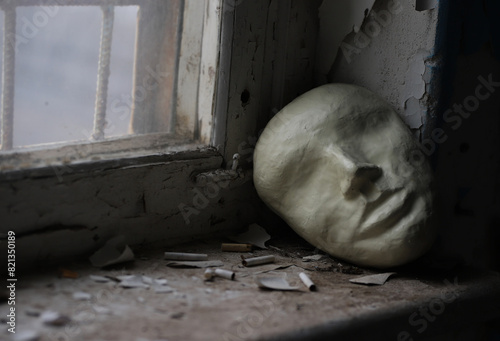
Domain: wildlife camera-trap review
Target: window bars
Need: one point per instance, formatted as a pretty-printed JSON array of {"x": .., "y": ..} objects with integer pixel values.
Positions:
[{"x": 164, "y": 11}]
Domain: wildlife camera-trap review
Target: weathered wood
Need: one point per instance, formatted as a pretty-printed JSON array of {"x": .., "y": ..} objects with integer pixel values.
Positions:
[
  {"x": 156, "y": 65},
  {"x": 185, "y": 121}
]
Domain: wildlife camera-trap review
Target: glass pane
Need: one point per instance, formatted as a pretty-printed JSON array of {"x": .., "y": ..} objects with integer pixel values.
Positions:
[
  {"x": 119, "y": 108},
  {"x": 56, "y": 72}
]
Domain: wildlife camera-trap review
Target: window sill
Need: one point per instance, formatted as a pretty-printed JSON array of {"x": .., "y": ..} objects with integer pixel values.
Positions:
[
  {"x": 238, "y": 310},
  {"x": 44, "y": 160}
]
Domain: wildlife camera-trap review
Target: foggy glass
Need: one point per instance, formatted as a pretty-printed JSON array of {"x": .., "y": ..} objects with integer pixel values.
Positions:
[{"x": 57, "y": 54}]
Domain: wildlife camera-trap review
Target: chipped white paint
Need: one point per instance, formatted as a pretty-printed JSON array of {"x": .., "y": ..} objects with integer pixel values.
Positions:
[
  {"x": 208, "y": 70},
  {"x": 392, "y": 62},
  {"x": 189, "y": 70}
]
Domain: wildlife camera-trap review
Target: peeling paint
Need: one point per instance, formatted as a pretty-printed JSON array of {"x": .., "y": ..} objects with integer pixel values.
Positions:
[
  {"x": 414, "y": 85},
  {"x": 413, "y": 113}
]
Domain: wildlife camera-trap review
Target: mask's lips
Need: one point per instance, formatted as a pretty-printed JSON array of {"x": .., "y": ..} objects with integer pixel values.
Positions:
[{"x": 385, "y": 212}]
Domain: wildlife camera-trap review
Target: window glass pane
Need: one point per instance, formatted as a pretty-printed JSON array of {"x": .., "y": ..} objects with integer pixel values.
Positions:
[
  {"x": 119, "y": 108},
  {"x": 57, "y": 59}
]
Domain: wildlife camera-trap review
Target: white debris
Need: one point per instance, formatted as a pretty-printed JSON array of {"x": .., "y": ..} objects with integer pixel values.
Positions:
[
  {"x": 312, "y": 258},
  {"x": 101, "y": 310},
  {"x": 27, "y": 335},
  {"x": 378, "y": 279},
  {"x": 54, "y": 318},
  {"x": 82, "y": 296},
  {"x": 134, "y": 281}
]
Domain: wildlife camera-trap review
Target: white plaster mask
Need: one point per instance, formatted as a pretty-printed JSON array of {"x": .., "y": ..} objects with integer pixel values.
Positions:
[{"x": 342, "y": 169}]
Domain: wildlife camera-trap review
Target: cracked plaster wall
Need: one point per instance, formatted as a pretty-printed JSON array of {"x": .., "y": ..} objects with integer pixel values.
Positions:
[{"x": 387, "y": 46}]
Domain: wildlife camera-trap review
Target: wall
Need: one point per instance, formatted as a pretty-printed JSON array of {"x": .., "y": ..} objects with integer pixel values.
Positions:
[
  {"x": 391, "y": 53},
  {"x": 439, "y": 67}
]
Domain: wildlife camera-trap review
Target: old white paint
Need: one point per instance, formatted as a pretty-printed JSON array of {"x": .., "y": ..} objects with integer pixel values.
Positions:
[
  {"x": 393, "y": 57},
  {"x": 208, "y": 70},
  {"x": 186, "y": 123}
]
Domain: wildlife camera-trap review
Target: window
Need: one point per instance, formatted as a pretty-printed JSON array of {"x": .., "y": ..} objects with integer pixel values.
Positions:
[{"x": 87, "y": 79}]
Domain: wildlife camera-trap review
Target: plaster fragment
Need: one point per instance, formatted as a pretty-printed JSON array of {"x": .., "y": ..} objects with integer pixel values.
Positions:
[
  {"x": 54, "y": 318},
  {"x": 256, "y": 235},
  {"x": 378, "y": 279},
  {"x": 312, "y": 258},
  {"x": 102, "y": 310},
  {"x": 133, "y": 282},
  {"x": 413, "y": 113},
  {"x": 82, "y": 296},
  {"x": 100, "y": 279},
  {"x": 274, "y": 283},
  {"x": 113, "y": 252},
  {"x": 27, "y": 335}
]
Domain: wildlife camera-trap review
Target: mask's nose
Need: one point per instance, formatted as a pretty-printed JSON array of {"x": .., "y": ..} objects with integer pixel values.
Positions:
[
  {"x": 360, "y": 180},
  {"x": 356, "y": 177}
]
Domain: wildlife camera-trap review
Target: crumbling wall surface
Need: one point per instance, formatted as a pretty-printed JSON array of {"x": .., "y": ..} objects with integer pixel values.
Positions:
[{"x": 391, "y": 53}]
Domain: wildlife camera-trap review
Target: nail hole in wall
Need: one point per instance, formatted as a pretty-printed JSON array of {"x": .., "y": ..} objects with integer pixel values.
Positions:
[{"x": 245, "y": 97}]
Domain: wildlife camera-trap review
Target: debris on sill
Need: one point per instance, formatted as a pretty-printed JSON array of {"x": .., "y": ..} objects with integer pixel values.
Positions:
[
  {"x": 53, "y": 318},
  {"x": 211, "y": 273},
  {"x": 82, "y": 296},
  {"x": 186, "y": 256},
  {"x": 115, "y": 251},
  {"x": 218, "y": 176},
  {"x": 27, "y": 335},
  {"x": 133, "y": 281},
  {"x": 257, "y": 260},
  {"x": 230, "y": 247},
  {"x": 100, "y": 279},
  {"x": 378, "y": 279},
  {"x": 102, "y": 297},
  {"x": 256, "y": 235},
  {"x": 313, "y": 258},
  {"x": 195, "y": 264},
  {"x": 307, "y": 281},
  {"x": 65, "y": 273},
  {"x": 274, "y": 283}
]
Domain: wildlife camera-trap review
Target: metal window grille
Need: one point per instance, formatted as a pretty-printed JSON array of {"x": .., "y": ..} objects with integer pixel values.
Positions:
[{"x": 161, "y": 11}]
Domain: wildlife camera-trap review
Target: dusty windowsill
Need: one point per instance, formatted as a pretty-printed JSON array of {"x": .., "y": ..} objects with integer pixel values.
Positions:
[{"x": 238, "y": 310}]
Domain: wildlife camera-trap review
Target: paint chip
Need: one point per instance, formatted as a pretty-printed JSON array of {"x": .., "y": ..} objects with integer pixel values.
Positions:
[
  {"x": 274, "y": 283},
  {"x": 378, "y": 279},
  {"x": 82, "y": 296},
  {"x": 312, "y": 258},
  {"x": 26, "y": 335},
  {"x": 256, "y": 235},
  {"x": 54, "y": 318},
  {"x": 113, "y": 252}
]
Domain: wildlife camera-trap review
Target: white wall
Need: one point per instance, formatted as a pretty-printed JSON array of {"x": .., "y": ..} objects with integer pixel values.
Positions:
[{"x": 391, "y": 52}]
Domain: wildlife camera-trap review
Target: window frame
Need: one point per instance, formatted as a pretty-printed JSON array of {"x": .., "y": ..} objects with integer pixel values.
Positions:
[{"x": 170, "y": 116}]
